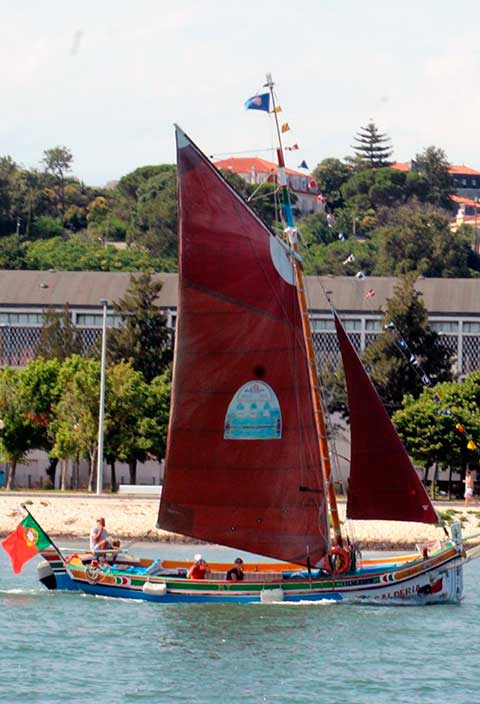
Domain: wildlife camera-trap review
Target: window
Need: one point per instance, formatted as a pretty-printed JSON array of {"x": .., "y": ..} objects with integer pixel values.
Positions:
[
  {"x": 374, "y": 325},
  {"x": 352, "y": 325},
  {"x": 95, "y": 320},
  {"x": 322, "y": 325},
  {"x": 444, "y": 326},
  {"x": 471, "y": 327}
]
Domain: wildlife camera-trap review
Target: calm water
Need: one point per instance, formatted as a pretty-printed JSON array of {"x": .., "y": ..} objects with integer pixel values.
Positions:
[{"x": 74, "y": 648}]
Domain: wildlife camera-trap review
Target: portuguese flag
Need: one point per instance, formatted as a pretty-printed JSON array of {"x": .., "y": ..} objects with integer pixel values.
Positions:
[{"x": 26, "y": 541}]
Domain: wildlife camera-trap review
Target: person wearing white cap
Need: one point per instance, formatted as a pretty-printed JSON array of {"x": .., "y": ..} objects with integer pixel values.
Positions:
[{"x": 199, "y": 569}]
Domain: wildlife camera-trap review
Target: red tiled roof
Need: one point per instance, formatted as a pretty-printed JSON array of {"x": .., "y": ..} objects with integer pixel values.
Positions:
[
  {"x": 245, "y": 165},
  {"x": 465, "y": 201},
  {"x": 455, "y": 169}
]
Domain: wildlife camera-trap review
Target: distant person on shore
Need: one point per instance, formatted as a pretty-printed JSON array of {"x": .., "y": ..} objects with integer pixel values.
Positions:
[
  {"x": 235, "y": 574},
  {"x": 199, "y": 569},
  {"x": 99, "y": 536},
  {"x": 468, "y": 487}
]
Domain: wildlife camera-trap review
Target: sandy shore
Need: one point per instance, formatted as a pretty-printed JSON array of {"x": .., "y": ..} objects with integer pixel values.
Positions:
[{"x": 127, "y": 517}]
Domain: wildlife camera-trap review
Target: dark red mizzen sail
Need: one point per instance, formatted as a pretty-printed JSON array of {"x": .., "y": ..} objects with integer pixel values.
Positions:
[
  {"x": 383, "y": 483},
  {"x": 242, "y": 465}
]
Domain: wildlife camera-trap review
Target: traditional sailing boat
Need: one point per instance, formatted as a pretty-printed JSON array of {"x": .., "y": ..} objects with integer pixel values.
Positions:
[{"x": 248, "y": 462}]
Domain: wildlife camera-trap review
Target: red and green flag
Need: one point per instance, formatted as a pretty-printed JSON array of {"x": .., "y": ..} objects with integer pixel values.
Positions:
[{"x": 25, "y": 542}]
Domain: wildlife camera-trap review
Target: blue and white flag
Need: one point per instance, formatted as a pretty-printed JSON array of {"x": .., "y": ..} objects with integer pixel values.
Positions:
[{"x": 259, "y": 102}]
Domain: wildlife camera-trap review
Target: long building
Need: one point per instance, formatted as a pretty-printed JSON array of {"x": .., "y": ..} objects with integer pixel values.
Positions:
[{"x": 453, "y": 306}]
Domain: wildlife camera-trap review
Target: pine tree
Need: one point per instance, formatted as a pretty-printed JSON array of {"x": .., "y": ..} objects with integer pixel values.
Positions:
[
  {"x": 392, "y": 372},
  {"x": 373, "y": 149},
  {"x": 59, "y": 338},
  {"x": 144, "y": 336}
]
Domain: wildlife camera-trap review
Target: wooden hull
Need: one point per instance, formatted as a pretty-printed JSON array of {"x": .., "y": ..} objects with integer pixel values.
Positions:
[{"x": 438, "y": 579}]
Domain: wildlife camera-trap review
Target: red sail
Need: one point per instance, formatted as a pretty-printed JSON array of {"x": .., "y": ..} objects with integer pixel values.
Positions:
[
  {"x": 383, "y": 483},
  {"x": 242, "y": 464}
]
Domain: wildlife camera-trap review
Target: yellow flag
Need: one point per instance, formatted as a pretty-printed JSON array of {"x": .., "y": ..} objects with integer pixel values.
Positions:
[
  {"x": 278, "y": 109},
  {"x": 471, "y": 445},
  {"x": 285, "y": 127}
]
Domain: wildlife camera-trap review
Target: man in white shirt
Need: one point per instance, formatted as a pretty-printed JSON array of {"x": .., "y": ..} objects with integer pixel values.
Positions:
[{"x": 99, "y": 536}]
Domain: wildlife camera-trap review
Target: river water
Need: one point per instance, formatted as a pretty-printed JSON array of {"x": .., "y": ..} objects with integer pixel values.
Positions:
[{"x": 72, "y": 648}]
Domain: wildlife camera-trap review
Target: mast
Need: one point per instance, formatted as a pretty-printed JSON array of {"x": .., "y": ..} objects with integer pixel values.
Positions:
[{"x": 302, "y": 300}]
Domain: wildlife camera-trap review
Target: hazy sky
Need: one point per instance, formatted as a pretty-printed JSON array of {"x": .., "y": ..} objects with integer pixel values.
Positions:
[{"x": 108, "y": 78}]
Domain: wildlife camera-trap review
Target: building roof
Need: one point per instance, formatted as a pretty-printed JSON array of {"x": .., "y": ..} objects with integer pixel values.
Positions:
[
  {"x": 77, "y": 288},
  {"x": 455, "y": 169},
  {"x": 245, "y": 165},
  {"x": 348, "y": 294},
  {"x": 84, "y": 289},
  {"x": 460, "y": 200}
]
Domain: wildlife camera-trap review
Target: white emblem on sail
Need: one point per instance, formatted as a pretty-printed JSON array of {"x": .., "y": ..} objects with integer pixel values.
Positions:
[{"x": 254, "y": 414}]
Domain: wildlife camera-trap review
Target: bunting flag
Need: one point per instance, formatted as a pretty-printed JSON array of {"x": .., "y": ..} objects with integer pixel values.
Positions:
[
  {"x": 293, "y": 148},
  {"x": 349, "y": 259},
  {"x": 370, "y": 293},
  {"x": 277, "y": 108},
  {"x": 285, "y": 127},
  {"x": 341, "y": 236},
  {"x": 360, "y": 276},
  {"x": 259, "y": 102},
  {"x": 312, "y": 184},
  {"x": 436, "y": 398},
  {"x": 460, "y": 427},
  {"x": 303, "y": 165},
  {"x": 330, "y": 219},
  {"x": 25, "y": 542},
  {"x": 321, "y": 198},
  {"x": 471, "y": 445},
  {"x": 426, "y": 380}
]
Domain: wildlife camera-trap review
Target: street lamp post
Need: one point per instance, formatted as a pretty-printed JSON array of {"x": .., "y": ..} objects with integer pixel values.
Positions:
[{"x": 101, "y": 415}]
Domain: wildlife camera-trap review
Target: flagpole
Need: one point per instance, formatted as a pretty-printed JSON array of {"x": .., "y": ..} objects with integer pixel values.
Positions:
[
  {"x": 57, "y": 549},
  {"x": 307, "y": 334}
]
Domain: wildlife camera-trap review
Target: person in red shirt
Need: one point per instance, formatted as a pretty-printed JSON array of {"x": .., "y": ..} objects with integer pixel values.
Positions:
[{"x": 199, "y": 569}]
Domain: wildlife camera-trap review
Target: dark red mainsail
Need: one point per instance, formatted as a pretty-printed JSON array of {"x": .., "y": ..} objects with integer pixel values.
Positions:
[
  {"x": 383, "y": 483},
  {"x": 242, "y": 466}
]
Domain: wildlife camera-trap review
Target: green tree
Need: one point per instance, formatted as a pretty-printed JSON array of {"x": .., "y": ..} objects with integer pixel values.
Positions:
[
  {"x": 372, "y": 148},
  {"x": 433, "y": 164},
  {"x": 58, "y": 162},
  {"x": 393, "y": 374},
  {"x": 144, "y": 336},
  {"x": 59, "y": 338},
  {"x": 9, "y": 179},
  {"x": 427, "y": 425},
  {"x": 418, "y": 239},
  {"x": 12, "y": 253},
  {"x": 330, "y": 175},
  {"x": 17, "y": 435},
  {"x": 126, "y": 403},
  {"x": 75, "y": 429}
]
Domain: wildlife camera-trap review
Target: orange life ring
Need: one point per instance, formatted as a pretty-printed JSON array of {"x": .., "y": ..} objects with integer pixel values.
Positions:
[{"x": 339, "y": 559}]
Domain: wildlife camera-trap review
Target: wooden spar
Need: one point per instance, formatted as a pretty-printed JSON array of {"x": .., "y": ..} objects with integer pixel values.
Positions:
[{"x": 312, "y": 366}]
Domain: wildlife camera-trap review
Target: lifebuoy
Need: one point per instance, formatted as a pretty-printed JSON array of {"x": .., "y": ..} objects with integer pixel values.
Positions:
[
  {"x": 93, "y": 572},
  {"x": 339, "y": 559}
]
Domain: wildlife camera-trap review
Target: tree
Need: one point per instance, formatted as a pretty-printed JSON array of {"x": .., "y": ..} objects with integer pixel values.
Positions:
[
  {"x": 417, "y": 238},
  {"x": 428, "y": 424},
  {"x": 59, "y": 338},
  {"x": 433, "y": 164},
  {"x": 330, "y": 175},
  {"x": 75, "y": 429},
  {"x": 153, "y": 224},
  {"x": 17, "y": 436},
  {"x": 393, "y": 374},
  {"x": 39, "y": 393},
  {"x": 126, "y": 403},
  {"x": 373, "y": 149},
  {"x": 57, "y": 162},
  {"x": 144, "y": 336},
  {"x": 9, "y": 180}
]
